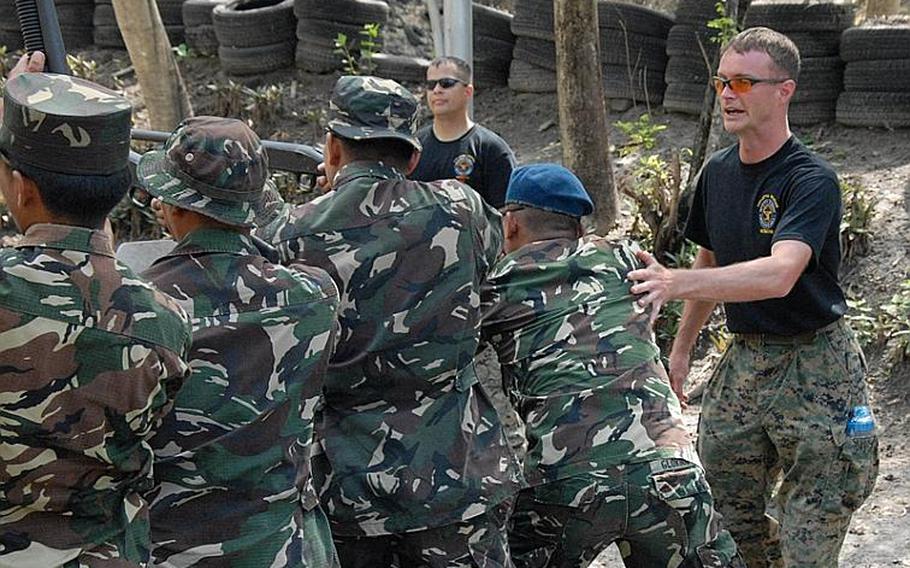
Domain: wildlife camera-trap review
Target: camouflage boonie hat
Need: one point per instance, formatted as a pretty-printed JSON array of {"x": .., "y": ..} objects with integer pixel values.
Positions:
[
  {"x": 65, "y": 125},
  {"x": 364, "y": 108},
  {"x": 214, "y": 166}
]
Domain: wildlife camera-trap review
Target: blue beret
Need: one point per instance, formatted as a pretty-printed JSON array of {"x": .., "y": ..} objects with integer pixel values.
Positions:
[{"x": 550, "y": 187}]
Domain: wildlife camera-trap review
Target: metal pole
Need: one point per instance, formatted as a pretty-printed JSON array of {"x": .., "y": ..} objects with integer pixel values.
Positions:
[{"x": 459, "y": 33}]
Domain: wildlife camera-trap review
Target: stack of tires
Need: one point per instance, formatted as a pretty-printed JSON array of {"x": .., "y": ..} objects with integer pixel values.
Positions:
[
  {"x": 877, "y": 76},
  {"x": 10, "y": 36},
  {"x": 320, "y": 22},
  {"x": 632, "y": 50},
  {"x": 75, "y": 17},
  {"x": 633, "y": 47},
  {"x": 255, "y": 36},
  {"x": 691, "y": 48},
  {"x": 493, "y": 45},
  {"x": 199, "y": 27},
  {"x": 106, "y": 33},
  {"x": 816, "y": 31}
]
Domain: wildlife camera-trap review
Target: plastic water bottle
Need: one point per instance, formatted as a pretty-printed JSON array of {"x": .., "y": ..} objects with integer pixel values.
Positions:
[{"x": 861, "y": 423}]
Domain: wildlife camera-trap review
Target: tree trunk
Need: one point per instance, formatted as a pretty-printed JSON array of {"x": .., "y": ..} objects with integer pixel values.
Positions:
[
  {"x": 150, "y": 51},
  {"x": 582, "y": 112},
  {"x": 882, "y": 8}
]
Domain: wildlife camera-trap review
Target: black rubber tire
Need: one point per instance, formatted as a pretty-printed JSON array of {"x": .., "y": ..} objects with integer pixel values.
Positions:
[
  {"x": 816, "y": 44},
  {"x": 401, "y": 68},
  {"x": 536, "y": 52},
  {"x": 108, "y": 36},
  {"x": 684, "y": 40},
  {"x": 357, "y": 12},
  {"x": 171, "y": 12},
  {"x": 493, "y": 23},
  {"x": 316, "y": 58},
  {"x": 534, "y": 19},
  {"x": 633, "y": 19},
  {"x": 527, "y": 78},
  {"x": 809, "y": 113},
  {"x": 488, "y": 78},
  {"x": 878, "y": 76},
  {"x": 801, "y": 17},
  {"x": 252, "y": 23},
  {"x": 257, "y": 59},
  {"x": 876, "y": 42},
  {"x": 202, "y": 39},
  {"x": 76, "y": 37},
  {"x": 881, "y": 110},
  {"x": 642, "y": 50},
  {"x": 175, "y": 34},
  {"x": 492, "y": 49},
  {"x": 103, "y": 16},
  {"x": 696, "y": 12},
  {"x": 12, "y": 39},
  {"x": 199, "y": 12},
  {"x": 322, "y": 33},
  {"x": 644, "y": 85},
  {"x": 687, "y": 70},
  {"x": 686, "y": 98},
  {"x": 75, "y": 15}
]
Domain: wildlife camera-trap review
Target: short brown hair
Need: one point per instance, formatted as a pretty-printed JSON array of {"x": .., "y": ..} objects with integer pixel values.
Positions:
[
  {"x": 462, "y": 69},
  {"x": 781, "y": 49}
]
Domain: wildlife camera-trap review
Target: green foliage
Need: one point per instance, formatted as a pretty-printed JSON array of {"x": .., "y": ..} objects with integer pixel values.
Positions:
[
  {"x": 856, "y": 222},
  {"x": 82, "y": 67},
  {"x": 889, "y": 326},
  {"x": 181, "y": 51},
  {"x": 725, "y": 25},
  {"x": 366, "y": 47},
  {"x": 5, "y": 63},
  {"x": 641, "y": 134},
  {"x": 260, "y": 107}
]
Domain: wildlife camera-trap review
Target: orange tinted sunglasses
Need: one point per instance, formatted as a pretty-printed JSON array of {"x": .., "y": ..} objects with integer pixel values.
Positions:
[{"x": 740, "y": 85}]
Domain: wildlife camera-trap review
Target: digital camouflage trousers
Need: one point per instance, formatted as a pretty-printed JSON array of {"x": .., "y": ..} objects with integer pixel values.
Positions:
[
  {"x": 659, "y": 513},
  {"x": 773, "y": 439}
]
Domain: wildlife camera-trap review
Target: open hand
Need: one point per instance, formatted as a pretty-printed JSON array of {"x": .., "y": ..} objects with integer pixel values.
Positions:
[{"x": 654, "y": 281}]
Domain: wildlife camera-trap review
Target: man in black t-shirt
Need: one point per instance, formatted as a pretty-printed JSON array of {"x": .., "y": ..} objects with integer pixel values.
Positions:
[
  {"x": 789, "y": 398},
  {"x": 454, "y": 147}
]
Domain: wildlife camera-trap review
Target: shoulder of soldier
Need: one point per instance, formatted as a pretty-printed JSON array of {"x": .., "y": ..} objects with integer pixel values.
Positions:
[
  {"x": 490, "y": 136},
  {"x": 306, "y": 283},
  {"x": 159, "y": 318}
]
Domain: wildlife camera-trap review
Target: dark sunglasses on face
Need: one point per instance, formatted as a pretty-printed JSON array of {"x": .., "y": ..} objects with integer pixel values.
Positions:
[
  {"x": 740, "y": 85},
  {"x": 445, "y": 83}
]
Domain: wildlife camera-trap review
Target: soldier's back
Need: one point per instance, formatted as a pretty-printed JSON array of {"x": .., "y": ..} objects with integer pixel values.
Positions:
[{"x": 90, "y": 359}]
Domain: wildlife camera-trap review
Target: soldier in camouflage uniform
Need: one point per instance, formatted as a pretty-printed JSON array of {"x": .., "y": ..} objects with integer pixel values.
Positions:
[
  {"x": 90, "y": 355},
  {"x": 608, "y": 456},
  {"x": 416, "y": 466},
  {"x": 788, "y": 401},
  {"x": 232, "y": 471}
]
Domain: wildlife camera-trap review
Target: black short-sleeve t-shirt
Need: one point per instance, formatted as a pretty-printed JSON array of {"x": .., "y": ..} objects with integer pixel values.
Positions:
[
  {"x": 740, "y": 210},
  {"x": 480, "y": 158}
]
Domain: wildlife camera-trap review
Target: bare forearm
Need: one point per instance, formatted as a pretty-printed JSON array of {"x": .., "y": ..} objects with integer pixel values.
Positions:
[{"x": 694, "y": 317}]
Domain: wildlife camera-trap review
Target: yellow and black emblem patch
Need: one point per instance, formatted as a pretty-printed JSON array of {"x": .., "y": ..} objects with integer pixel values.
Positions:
[{"x": 767, "y": 213}]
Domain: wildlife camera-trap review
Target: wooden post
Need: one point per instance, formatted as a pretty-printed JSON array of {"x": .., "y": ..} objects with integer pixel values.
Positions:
[
  {"x": 436, "y": 27},
  {"x": 582, "y": 111},
  {"x": 150, "y": 51},
  {"x": 459, "y": 33}
]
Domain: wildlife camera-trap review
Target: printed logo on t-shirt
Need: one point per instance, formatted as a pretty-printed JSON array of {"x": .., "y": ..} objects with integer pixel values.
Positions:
[
  {"x": 767, "y": 213},
  {"x": 464, "y": 167}
]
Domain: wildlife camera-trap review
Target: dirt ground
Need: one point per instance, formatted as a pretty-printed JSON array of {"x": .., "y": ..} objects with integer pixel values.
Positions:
[{"x": 879, "y": 159}]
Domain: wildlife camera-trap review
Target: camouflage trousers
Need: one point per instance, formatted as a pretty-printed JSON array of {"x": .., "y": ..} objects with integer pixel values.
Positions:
[
  {"x": 479, "y": 542},
  {"x": 660, "y": 514},
  {"x": 776, "y": 413}
]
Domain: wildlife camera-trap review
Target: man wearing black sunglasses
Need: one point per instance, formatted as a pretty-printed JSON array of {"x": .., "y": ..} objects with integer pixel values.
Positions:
[
  {"x": 454, "y": 147},
  {"x": 788, "y": 400}
]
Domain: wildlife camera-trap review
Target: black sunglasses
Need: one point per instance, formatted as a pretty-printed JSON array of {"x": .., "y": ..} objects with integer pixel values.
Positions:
[{"x": 445, "y": 83}]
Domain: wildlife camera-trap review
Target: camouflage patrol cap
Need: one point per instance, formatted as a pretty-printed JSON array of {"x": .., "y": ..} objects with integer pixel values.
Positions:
[
  {"x": 214, "y": 166},
  {"x": 65, "y": 124},
  {"x": 364, "y": 108},
  {"x": 549, "y": 187}
]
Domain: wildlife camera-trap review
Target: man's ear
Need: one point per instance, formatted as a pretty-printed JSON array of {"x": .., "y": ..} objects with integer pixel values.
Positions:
[
  {"x": 332, "y": 152},
  {"x": 469, "y": 90},
  {"x": 412, "y": 163},
  {"x": 787, "y": 89},
  {"x": 510, "y": 226},
  {"x": 25, "y": 192}
]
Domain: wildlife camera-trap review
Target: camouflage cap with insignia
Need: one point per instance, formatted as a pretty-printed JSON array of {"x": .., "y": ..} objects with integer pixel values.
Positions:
[
  {"x": 214, "y": 166},
  {"x": 65, "y": 124},
  {"x": 364, "y": 108}
]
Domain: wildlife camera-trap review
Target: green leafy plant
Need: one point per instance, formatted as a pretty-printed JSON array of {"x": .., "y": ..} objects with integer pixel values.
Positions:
[
  {"x": 641, "y": 134},
  {"x": 725, "y": 25},
  {"x": 894, "y": 322},
  {"x": 357, "y": 55},
  {"x": 83, "y": 67},
  {"x": 264, "y": 105},
  {"x": 229, "y": 98},
  {"x": 856, "y": 222},
  {"x": 181, "y": 51}
]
